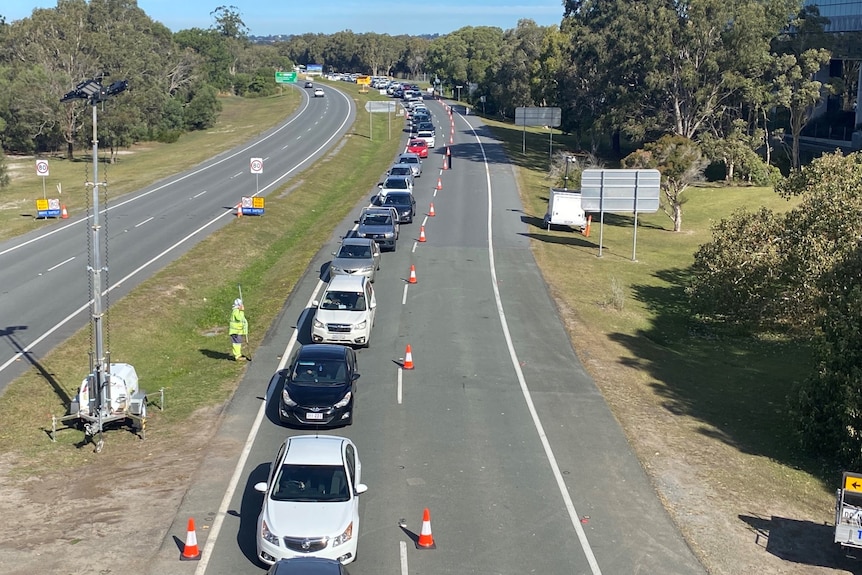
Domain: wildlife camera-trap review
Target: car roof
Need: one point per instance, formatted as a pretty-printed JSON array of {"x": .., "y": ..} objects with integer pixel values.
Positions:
[
  {"x": 346, "y": 283},
  {"x": 397, "y": 193},
  {"x": 357, "y": 241},
  {"x": 417, "y": 142},
  {"x": 314, "y": 450},
  {"x": 322, "y": 351},
  {"x": 399, "y": 177},
  {"x": 411, "y": 156}
]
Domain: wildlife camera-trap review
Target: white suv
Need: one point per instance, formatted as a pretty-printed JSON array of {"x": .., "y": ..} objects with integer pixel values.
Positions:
[{"x": 345, "y": 313}]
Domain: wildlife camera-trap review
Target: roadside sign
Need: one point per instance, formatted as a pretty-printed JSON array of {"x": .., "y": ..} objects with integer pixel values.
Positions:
[
  {"x": 538, "y": 116},
  {"x": 285, "y": 77},
  {"x": 363, "y": 80},
  {"x": 256, "y": 165},
  {"x": 41, "y": 167},
  {"x": 380, "y": 106},
  {"x": 852, "y": 482},
  {"x": 48, "y": 208},
  {"x": 622, "y": 191},
  {"x": 252, "y": 205}
]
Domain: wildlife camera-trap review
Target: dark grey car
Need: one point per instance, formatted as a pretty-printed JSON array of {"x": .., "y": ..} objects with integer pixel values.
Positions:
[
  {"x": 404, "y": 202},
  {"x": 380, "y": 227}
]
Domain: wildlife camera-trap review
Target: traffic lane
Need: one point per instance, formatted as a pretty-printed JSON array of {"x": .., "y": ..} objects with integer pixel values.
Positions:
[
  {"x": 628, "y": 529},
  {"x": 472, "y": 456}
]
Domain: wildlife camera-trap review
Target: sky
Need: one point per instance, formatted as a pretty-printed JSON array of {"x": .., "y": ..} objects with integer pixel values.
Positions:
[{"x": 271, "y": 17}]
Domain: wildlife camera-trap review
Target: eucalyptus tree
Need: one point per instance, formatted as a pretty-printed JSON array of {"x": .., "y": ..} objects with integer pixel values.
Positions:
[{"x": 518, "y": 80}]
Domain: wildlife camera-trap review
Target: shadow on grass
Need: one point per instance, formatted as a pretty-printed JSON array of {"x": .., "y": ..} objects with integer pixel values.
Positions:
[
  {"x": 782, "y": 538},
  {"x": 9, "y": 334},
  {"x": 735, "y": 383}
]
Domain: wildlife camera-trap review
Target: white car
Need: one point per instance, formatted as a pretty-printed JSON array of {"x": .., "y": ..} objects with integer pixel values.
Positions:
[
  {"x": 345, "y": 313},
  {"x": 311, "y": 500},
  {"x": 318, "y": 92},
  {"x": 429, "y": 137}
]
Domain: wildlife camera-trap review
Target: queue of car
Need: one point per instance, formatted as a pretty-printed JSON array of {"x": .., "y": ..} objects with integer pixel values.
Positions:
[{"x": 309, "y": 518}]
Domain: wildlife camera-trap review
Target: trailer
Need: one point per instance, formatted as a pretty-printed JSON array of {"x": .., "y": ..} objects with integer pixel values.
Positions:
[
  {"x": 564, "y": 209},
  {"x": 848, "y": 512}
]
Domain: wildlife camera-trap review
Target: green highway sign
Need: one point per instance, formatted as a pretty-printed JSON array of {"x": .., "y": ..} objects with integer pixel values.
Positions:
[{"x": 285, "y": 77}]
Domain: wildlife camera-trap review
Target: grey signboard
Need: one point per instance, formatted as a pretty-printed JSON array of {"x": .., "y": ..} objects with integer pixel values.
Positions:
[
  {"x": 626, "y": 191},
  {"x": 538, "y": 116},
  {"x": 377, "y": 106}
]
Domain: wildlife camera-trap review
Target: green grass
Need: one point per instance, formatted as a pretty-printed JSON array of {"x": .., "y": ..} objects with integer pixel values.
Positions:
[{"x": 173, "y": 327}]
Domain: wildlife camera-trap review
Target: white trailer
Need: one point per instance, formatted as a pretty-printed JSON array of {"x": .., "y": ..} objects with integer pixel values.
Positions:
[
  {"x": 848, "y": 512},
  {"x": 564, "y": 209}
]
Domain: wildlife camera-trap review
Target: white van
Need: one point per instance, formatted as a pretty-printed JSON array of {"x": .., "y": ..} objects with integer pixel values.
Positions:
[{"x": 345, "y": 313}]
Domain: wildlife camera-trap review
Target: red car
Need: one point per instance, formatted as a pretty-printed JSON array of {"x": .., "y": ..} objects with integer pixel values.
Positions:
[{"x": 419, "y": 147}]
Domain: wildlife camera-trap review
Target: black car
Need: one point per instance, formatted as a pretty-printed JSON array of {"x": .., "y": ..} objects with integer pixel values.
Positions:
[
  {"x": 404, "y": 202},
  {"x": 318, "y": 388},
  {"x": 308, "y": 566}
]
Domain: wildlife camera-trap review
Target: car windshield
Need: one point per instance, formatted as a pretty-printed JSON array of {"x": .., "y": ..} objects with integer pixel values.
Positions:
[
  {"x": 347, "y": 300},
  {"x": 378, "y": 220},
  {"x": 396, "y": 184},
  {"x": 405, "y": 171},
  {"x": 418, "y": 143},
  {"x": 354, "y": 252},
  {"x": 396, "y": 200},
  {"x": 426, "y": 126},
  {"x": 319, "y": 371},
  {"x": 410, "y": 159},
  {"x": 310, "y": 483}
]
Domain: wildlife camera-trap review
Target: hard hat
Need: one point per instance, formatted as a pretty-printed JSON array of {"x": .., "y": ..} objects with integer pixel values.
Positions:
[{"x": 237, "y": 302}]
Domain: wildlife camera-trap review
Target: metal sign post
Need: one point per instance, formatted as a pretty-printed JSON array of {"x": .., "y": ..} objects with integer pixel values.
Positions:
[
  {"x": 256, "y": 166},
  {"x": 42, "y": 170},
  {"x": 377, "y": 106},
  {"x": 622, "y": 191}
]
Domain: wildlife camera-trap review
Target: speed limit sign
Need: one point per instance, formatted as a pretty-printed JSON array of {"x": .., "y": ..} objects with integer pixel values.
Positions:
[
  {"x": 256, "y": 165},
  {"x": 41, "y": 167}
]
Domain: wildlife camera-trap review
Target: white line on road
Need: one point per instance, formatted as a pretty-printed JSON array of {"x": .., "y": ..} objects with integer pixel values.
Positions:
[
  {"x": 236, "y": 175},
  {"x": 400, "y": 388},
  {"x": 145, "y": 221},
  {"x": 403, "y": 552},
  {"x": 246, "y": 450},
  {"x": 404, "y": 296},
  {"x": 61, "y": 263},
  {"x": 196, "y": 196},
  {"x": 561, "y": 484}
]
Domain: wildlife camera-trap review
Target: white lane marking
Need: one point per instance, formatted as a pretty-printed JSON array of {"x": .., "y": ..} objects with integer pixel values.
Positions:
[
  {"x": 403, "y": 554},
  {"x": 265, "y": 159},
  {"x": 134, "y": 272},
  {"x": 414, "y": 247},
  {"x": 236, "y": 175},
  {"x": 399, "y": 393},
  {"x": 246, "y": 450},
  {"x": 549, "y": 453},
  {"x": 196, "y": 196},
  {"x": 61, "y": 263},
  {"x": 145, "y": 221},
  {"x": 404, "y": 295}
]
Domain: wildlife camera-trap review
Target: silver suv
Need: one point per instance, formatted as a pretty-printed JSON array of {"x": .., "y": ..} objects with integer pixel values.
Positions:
[
  {"x": 414, "y": 161},
  {"x": 380, "y": 225}
]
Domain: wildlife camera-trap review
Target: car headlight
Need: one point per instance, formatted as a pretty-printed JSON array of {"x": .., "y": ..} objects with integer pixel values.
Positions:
[
  {"x": 344, "y": 537},
  {"x": 360, "y": 234},
  {"x": 366, "y": 269},
  {"x": 388, "y": 235},
  {"x": 271, "y": 537},
  {"x": 360, "y": 325},
  {"x": 344, "y": 401},
  {"x": 286, "y": 399},
  {"x": 318, "y": 323},
  {"x": 335, "y": 269}
]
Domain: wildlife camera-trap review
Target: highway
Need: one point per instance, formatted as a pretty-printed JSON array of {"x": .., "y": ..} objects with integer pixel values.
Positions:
[
  {"x": 498, "y": 430},
  {"x": 44, "y": 283}
]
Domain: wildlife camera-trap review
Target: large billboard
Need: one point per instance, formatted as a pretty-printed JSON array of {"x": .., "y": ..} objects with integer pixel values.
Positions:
[{"x": 314, "y": 69}]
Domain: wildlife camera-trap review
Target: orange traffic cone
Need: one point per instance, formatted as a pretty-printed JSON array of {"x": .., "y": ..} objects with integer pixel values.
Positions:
[
  {"x": 190, "y": 549},
  {"x": 431, "y": 211},
  {"x": 439, "y": 184},
  {"x": 239, "y": 210},
  {"x": 63, "y": 213},
  {"x": 408, "y": 358},
  {"x": 445, "y": 163},
  {"x": 421, "y": 233},
  {"x": 587, "y": 229},
  {"x": 426, "y": 540},
  {"x": 412, "y": 279},
  {"x": 452, "y": 138}
]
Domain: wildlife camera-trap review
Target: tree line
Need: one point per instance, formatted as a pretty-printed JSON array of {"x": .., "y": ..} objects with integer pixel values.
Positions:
[{"x": 683, "y": 83}]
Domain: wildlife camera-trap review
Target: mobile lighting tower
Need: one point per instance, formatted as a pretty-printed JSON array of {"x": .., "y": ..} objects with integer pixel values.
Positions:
[{"x": 110, "y": 392}]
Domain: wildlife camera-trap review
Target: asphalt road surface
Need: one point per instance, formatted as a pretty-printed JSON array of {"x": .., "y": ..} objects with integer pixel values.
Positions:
[
  {"x": 498, "y": 430},
  {"x": 44, "y": 283}
]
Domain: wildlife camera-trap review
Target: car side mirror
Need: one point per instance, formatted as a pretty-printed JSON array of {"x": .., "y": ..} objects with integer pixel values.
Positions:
[
  {"x": 361, "y": 488},
  {"x": 355, "y": 221},
  {"x": 261, "y": 487},
  {"x": 315, "y": 303}
]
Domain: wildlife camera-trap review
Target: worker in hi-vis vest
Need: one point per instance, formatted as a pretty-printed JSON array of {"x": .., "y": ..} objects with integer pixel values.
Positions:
[{"x": 238, "y": 328}]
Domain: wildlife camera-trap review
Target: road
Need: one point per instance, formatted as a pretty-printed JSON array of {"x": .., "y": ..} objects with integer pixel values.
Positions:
[
  {"x": 45, "y": 295},
  {"x": 498, "y": 430}
]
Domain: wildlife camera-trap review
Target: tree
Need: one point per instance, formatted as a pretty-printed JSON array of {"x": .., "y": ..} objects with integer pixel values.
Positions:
[{"x": 680, "y": 162}]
